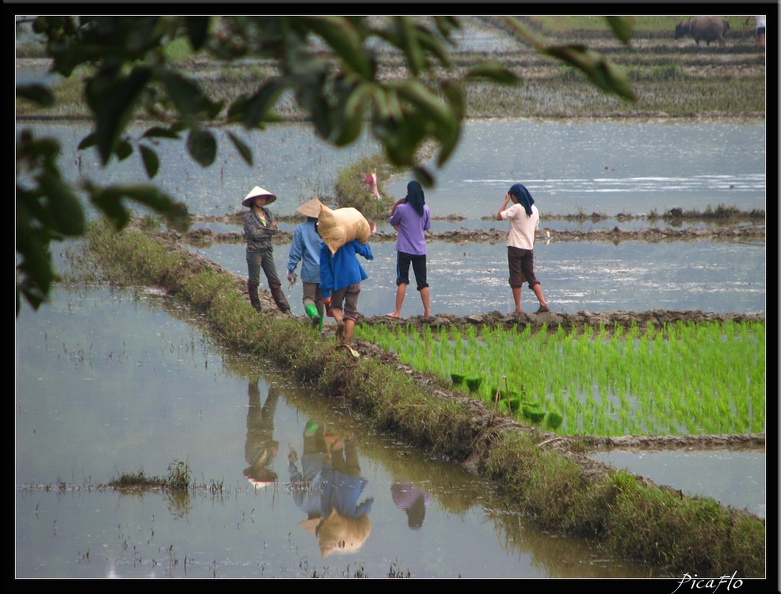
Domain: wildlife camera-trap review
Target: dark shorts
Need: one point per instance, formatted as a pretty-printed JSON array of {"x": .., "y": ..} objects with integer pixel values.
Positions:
[
  {"x": 403, "y": 260},
  {"x": 760, "y": 31},
  {"x": 521, "y": 263}
]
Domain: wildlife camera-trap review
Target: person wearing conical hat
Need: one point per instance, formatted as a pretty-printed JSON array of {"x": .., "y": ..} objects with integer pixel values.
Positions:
[
  {"x": 260, "y": 226},
  {"x": 305, "y": 248}
]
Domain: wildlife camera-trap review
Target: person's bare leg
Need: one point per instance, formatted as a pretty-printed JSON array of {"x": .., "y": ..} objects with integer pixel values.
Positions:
[
  {"x": 349, "y": 326},
  {"x": 401, "y": 291},
  {"x": 337, "y": 313},
  {"x": 540, "y": 297},
  {"x": 424, "y": 296},
  {"x": 517, "y": 298}
]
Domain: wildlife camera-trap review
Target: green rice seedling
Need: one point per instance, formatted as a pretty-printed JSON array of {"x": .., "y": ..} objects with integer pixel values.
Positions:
[
  {"x": 535, "y": 415},
  {"x": 510, "y": 405},
  {"x": 553, "y": 419},
  {"x": 473, "y": 383},
  {"x": 457, "y": 378}
]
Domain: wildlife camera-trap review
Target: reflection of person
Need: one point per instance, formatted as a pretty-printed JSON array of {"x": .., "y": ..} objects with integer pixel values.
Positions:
[
  {"x": 524, "y": 219},
  {"x": 259, "y": 228},
  {"x": 412, "y": 500},
  {"x": 260, "y": 447},
  {"x": 305, "y": 248},
  {"x": 345, "y": 525},
  {"x": 305, "y": 483},
  {"x": 341, "y": 275},
  {"x": 411, "y": 218}
]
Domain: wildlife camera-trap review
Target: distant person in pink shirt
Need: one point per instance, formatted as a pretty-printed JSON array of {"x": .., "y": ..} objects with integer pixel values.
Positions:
[{"x": 411, "y": 218}]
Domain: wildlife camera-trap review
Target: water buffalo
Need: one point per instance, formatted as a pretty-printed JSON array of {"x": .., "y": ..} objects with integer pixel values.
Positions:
[{"x": 703, "y": 28}]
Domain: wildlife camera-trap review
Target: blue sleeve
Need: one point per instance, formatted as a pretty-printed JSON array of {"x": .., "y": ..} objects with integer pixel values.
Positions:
[
  {"x": 364, "y": 250},
  {"x": 427, "y": 223},
  {"x": 365, "y": 507},
  {"x": 296, "y": 251}
]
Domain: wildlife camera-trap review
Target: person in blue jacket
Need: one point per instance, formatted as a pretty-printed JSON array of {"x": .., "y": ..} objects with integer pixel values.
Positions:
[
  {"x": 305, "y": 248},
  {"x": 341, "y": 275}
]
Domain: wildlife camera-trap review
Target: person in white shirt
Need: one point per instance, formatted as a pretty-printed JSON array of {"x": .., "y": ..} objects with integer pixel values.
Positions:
[{"x": 524, "y": 219}]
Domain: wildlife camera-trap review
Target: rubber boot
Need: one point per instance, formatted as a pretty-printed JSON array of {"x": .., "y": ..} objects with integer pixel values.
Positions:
[
  {"x": 279, "y": 297},
  {"x": 254, "y": 298},
  {"x": 311, "y": 311}
]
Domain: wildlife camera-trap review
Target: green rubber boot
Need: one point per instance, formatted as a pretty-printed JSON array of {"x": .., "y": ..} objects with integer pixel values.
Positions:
[{"x": 311, "y": 311}]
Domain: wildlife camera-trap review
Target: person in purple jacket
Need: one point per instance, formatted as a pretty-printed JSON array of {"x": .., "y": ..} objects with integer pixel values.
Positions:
[{"x": 412, "y": 218}]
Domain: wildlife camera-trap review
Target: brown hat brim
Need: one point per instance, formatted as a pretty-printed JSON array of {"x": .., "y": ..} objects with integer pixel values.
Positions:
[{"x": 310, "y": 209}]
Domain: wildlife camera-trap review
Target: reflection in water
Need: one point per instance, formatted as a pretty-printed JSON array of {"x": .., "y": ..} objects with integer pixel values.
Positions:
[
  {"x": 260, "y": 448},
  {"x": 327, "y": 488},
  {"x": 344, "y": 525},
  {"x": 412, "y": 500},
  {"x": 305, "y": 483}
]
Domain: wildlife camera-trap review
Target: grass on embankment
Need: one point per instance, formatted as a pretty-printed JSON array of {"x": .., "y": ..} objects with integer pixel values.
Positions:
[{"x": 652, "y": 524}]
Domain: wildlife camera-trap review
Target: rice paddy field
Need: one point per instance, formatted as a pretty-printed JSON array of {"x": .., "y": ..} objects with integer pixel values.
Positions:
[{"x": 604, "y": 382}]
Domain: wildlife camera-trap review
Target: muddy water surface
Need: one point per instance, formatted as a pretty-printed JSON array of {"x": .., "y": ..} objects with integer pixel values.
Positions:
[{"x": 111, "y": 384}]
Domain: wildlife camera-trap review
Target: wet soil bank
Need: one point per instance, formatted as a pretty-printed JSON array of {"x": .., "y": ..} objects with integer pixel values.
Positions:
[{"x": 205, "y": 236}]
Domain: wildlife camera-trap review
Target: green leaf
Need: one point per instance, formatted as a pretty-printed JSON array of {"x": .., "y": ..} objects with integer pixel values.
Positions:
[
  {"x": 244, "y": 150},
  {"x": 493, "y": 71},
  {"x": 187, "y": 96},
  {"x": 159, "y": 132},
  {"x": 109, "y": 200},
  {"x": 197, "y": 31},
  {"x": 353, "y": 114},
  {"x": 63, "y": 208},
  {"x": 88, "y": 141},
  {"x": 202, "y": 146},
  {"x": 150, "y": 160},
  {"x": 257, "y": 107},
  {"x": 423, "y": 176},
  {"x": 39, "y": 94},
  {"x": 124, "y": 150},
  {"x": 113, "y": 105},
  {"x": 410, "y": 46},
  {"x": 622, "y": 27},
  {"x": 339, "y": 33},
  {"x": 603, "y": 73},
  {"x": 419, "y": 95}
]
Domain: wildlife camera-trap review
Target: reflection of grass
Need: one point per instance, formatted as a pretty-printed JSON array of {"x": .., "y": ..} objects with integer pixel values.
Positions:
[{"x": 638, "y": 381}]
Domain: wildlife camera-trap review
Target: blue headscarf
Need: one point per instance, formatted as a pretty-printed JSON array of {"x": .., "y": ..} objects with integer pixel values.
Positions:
[
  {"x": 522, "y": 195},
  {"x": 415, "y": 197}
]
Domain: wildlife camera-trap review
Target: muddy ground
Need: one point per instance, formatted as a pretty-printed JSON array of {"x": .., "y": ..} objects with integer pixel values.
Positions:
[{"x": 746, "y": 232}]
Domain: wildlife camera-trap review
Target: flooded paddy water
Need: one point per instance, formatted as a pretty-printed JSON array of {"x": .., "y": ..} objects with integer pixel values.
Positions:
[{"x": 110, "y": 383}]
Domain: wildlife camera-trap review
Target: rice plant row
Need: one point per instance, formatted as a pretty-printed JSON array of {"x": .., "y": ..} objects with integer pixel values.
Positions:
[{"x": 680, "y": 379}]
